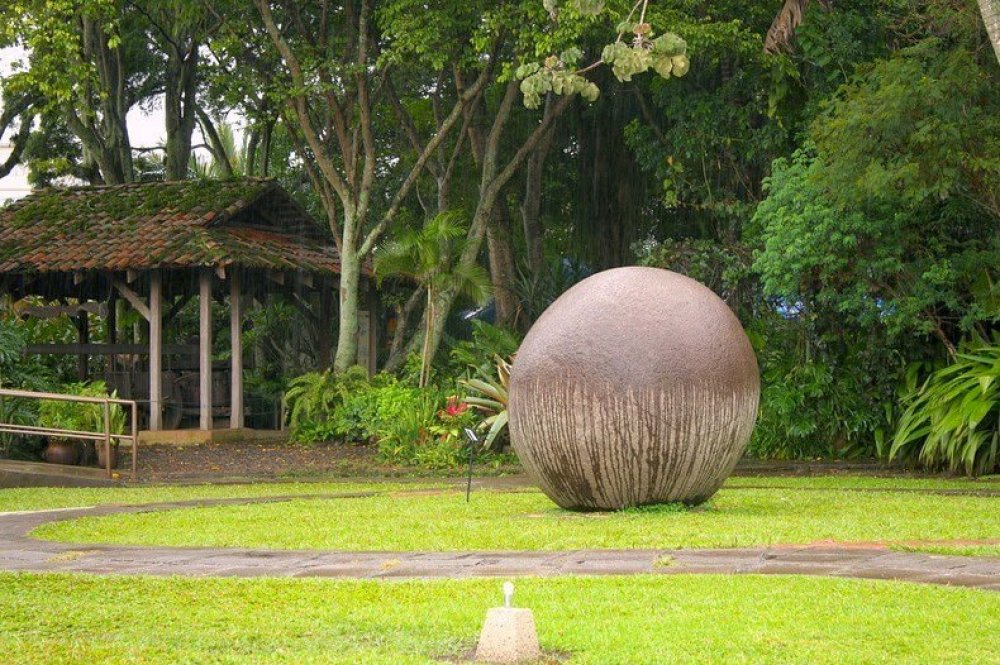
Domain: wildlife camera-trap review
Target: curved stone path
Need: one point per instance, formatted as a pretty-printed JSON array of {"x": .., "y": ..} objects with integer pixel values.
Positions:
[{"x": 20, "y": 552}]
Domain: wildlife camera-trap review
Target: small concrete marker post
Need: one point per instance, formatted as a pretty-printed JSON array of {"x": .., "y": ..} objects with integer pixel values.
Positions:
[{"x": 508, "y": 634}]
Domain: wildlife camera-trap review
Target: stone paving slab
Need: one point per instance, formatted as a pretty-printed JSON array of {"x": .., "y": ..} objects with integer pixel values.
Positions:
[{"x": 20, "y": 552}]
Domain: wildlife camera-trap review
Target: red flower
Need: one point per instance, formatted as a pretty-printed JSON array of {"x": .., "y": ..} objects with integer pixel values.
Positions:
[{"x": 455, "y": 407}]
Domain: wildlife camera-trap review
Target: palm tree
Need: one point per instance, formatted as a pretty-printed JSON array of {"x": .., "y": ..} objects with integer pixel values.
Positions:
[
  {"x": 226, "y": 159},
  {"x": 429, "y": 256}
]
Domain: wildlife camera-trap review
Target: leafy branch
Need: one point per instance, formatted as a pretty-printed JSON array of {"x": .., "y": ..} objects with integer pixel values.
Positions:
[{"x": 666, "y": 55}]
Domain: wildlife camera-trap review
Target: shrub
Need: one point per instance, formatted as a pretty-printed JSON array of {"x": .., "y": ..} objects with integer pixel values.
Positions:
[
  {"x": 312, "y": 399},
  {"x": 953, "y": 418},
  {"x": 81, "y": 416},
  {"x": 426, "y": 432},
  {"x": 821, "y": 396},
  {"x": 364, "y": 412}
]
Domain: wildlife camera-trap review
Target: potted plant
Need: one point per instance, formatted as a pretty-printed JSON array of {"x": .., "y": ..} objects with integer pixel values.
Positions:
[{"x": 79, "y": 417}]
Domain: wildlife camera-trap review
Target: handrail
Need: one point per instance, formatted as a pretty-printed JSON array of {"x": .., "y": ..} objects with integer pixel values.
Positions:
[{"x": 105, "y": 435}]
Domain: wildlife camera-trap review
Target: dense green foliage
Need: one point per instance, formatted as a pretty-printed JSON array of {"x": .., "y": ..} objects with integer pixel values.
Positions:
[
  {"x": 846, "y": 208},
  {"x": 838, "y": 184}
]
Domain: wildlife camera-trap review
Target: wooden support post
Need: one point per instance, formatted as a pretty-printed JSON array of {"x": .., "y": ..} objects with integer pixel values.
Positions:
[
  {"x": 155, "y": 350},
  {"x": 83, "y": 334},
  {"x": 111, "y": 336},
  {"x": 205, "y": 348},
  {"x": 236, "y": 352}
]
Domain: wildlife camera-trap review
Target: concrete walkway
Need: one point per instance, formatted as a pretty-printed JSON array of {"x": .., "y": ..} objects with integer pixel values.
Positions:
[{"x": 20, "y": 552}]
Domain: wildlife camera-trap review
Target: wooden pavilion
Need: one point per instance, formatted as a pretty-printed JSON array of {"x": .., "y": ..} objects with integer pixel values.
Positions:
[{"x": 153, "y": 247}]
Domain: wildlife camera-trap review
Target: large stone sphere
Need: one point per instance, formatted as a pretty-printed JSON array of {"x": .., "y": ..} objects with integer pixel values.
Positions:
[{"x": 636, "y": 386}]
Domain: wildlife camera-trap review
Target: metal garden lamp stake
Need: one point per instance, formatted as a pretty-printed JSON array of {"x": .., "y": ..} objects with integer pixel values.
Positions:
[{"x": 473, "y": 444}]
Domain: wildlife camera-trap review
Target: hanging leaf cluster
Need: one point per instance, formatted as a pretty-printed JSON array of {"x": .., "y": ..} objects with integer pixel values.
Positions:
[
  {"x": 665, "y": 54},
  {"x": 557, "y": 74}
]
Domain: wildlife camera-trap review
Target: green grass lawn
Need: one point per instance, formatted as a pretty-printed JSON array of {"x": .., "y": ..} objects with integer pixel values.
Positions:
[
  {"x": 442, "y": 520},
  {"x": 46, "y": 498},
  {"x": 644, "y": 619},
  {"x": 49, "y": 498}
]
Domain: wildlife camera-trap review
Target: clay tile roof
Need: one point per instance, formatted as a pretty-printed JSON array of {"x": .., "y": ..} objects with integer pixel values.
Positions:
[{"x": 250, "y": 222}]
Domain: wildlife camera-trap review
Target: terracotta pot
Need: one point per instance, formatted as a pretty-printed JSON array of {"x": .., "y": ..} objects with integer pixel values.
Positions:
[
  {"x": 99, "y": 446},
  {"x": 62, "y": 451}
]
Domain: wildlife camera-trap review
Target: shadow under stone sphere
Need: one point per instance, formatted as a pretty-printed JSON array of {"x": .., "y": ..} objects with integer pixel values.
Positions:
[{"x": 636, "y": 386}]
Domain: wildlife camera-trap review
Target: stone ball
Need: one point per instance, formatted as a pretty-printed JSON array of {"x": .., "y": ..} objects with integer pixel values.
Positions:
[{"x": 636, "y": 386}]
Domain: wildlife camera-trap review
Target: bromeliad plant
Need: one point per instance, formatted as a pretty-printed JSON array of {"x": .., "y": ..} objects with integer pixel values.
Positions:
[
  {"x": 490, "y": 397},
  {"x": 953, "y": 418}
]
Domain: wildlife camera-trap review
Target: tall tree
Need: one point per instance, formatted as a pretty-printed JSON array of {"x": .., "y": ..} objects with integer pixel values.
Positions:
[
  {"x": 332, "y": 83},
  {"x": 178, "y": 29},
  {"x": 88, "y": 66}
]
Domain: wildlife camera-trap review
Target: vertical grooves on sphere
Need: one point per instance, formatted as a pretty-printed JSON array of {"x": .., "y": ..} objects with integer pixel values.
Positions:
[{"x": 606, "y": 447}]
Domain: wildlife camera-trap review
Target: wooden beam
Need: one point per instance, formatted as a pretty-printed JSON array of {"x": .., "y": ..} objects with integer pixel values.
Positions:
[
  {"x": 55, "y": 311},
  {"x": 176, "y": 307},
  {"x": 220, "y": 272},
  {"x": 205, "y": 348},
  {"x": 133, "y": 298},
  {"x": 111, "y": 331},
  {"x": 304, "y": 307},
  {"x": 236, "y": 352},
  {"x": 131, "y": 276},
  {"x": 97, "y": 349},
  {"x": 155, "y": 318}
]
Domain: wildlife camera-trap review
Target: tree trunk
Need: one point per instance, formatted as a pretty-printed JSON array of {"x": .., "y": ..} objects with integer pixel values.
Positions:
[
  {"x": 531, "y": 205},
  {"x": 179, "y": 105},
  {"x": 351, "y": 262},
  {"x": 494, "y": 178},
  {"x": 350, "y": 281},
  {"x": 500, "y": 245},
  {"x": 426, "y": 358},
  {"x": 990, "y": 9},
  {"x": 99, "y": 120}
]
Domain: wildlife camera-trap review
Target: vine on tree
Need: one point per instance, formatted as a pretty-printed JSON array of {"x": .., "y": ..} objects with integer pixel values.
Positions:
[{"x": 665, "y": 54}]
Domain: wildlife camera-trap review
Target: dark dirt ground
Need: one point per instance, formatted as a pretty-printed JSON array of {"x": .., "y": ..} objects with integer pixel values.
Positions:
[
  {"x": 220, "y": 462},
  {"x": 277, "y": 460},
  {"x": 223, "y": 462}
]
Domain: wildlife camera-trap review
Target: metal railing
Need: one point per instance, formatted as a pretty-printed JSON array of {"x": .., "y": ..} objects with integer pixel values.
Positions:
[{"x": 106, "y": 436}]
